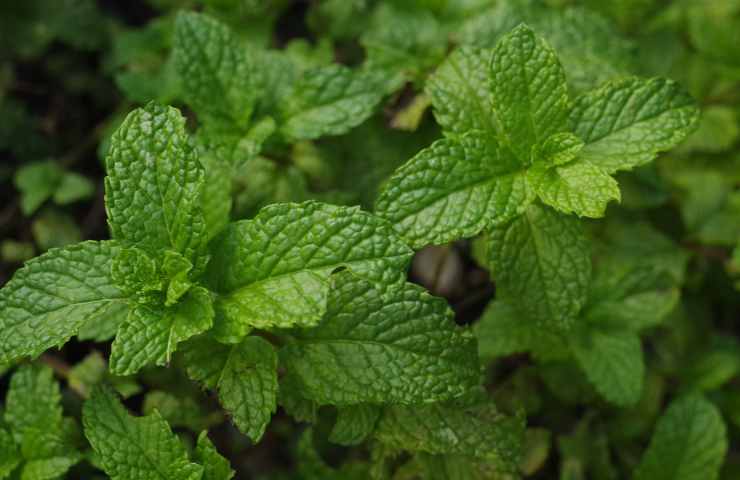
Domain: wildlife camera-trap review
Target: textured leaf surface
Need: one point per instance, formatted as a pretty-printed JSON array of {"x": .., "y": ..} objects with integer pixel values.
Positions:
[
  {"x": 48, "y": 468},
  {"x": 44, "y": 413},
  {"x": 578, "y": 187},
  {"x": 461, "y": 94},
  {"x": 154, "y": 182},
  {"x": 478, "y": 430},
  {"x": 453, "y": 189},
  {"x": 248, "y": 385},
  {"x": 215, "y": 466},
  {"x": 354, "y": 424},
  {"x": 219, "y": 79},
  {"x": 541, "y": 261},
  {"x": 330, "y": 101},
  {"x": 530, "y": 95},
  {"x": 141, "y": 448},
  {"x": 613, "y": 363},
  {"x": 627, "y": 122},
  {"x": 52, "y": 296},
  {"x": 397, "y": 346},
  {"x": 689, "y": 443},
  {"x": 273, "y": 271},
  {"x": 245, "y": 376},
  {"x": 150, "y": 335}
]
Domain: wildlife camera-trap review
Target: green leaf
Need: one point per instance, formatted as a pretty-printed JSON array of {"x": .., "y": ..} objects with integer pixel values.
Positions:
[
  {"x": 43, "y": 412},
  {"x": 154, "y": 183},
  {"x": 217, "y": 185},
  {"x": 37, "y": 182},
  {"x": 689, "y": 443},
  {"x": 626, "y": 122},
  {"x": 218, "y": 78},
  {"x": 612, "y": 361},
  {"x": 530, "y": 95},
  {"x": 134, "y": 447},
  {"x": 578, "y": 187},
  {"x": 399, "y": 345},
  {"x": 478, "y": 430},
  {"x": 150, "y": 334},
  {"x": 461, "y": 94},
  {"x": 135, "y": 273},
  {"x": 48, "y": 468},
  {"x": 73, "y": 187},
  {"x": 9, "y": 456},
  {"x": 215, "y": 467},
  {"x": 52, "y": 296},
  {"x": 330, "y": 100},
  {"x": 541, "y": 260},
  {"x": 273, "y": 270},
  {"x": 454, "y": 189},
  {"x": 354, "y": 424},
  {"x": 245, "y": 376}
]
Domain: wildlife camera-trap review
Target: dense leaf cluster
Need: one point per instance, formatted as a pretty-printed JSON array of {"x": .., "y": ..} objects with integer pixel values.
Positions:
[{"x": 385, "y": 239}]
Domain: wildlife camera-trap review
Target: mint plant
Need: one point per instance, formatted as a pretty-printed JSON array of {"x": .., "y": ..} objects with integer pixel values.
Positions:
[{"x": 386, "y": 240}]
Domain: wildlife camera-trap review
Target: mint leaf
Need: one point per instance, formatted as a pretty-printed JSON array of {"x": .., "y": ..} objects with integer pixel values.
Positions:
[
  {"x": 150, "y": 334},
  {"x": 626, "y": 122},
  {"x": 248, "y": 385},
  {"x": 329, "y": 101},
  {"x": 461, "y": 94},
  {"x": 273, "y": 270},
  {"x": 134, "y": 447},
  {"x": 42, "y": 414},
  {"x": 478, "y": 430},
  {"x": 37, "y": 182},
  {"x": 541, "y": 261},
  {"x": 354, "y": 424},
  {"x": 218, "y": 78},
  {"x": 578, "y": 187},
  {"x": 48, "y": 468},
  {"x": 245, "y": 376},
  {"x": 154, "y": 183},
  {"x": 215, "y": 467},
  {"x": 613, "y": 363},
  {"x": 394, "y": 346},
  {"x": 530, "y": 95},
  {"x": 689, "y": 443},
  {"x": 453, "y": 189},
  {"x": 52, "y": 296},
  {"x": 73, "y": 187}
]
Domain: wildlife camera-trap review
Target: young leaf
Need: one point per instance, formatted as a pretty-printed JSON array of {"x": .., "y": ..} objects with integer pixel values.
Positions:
[
  {"x": 541, "y": 261},
  {"x": 578, "y": 187},
  {"x": 150, "y": 334},
  {"x": 461, "y": 94},
  {"x": 273, "y": 270},
  {"x": 396, "y": 346},
  {"x": 52, "y": 296},
  {"x": 134, "y": 447},
  {"x": 215, "y": 467},
  {"x": 530, "y": 96},
  {"x": 154, "y": 183},
  {"x": 689, "y": 443},
  {"x": 626, "y": 122},
  {"x": 453, "y": 189},
  {"x": 354, "y": 424},
  {"x": 218, "y": 77},
  {"x": 612, "y": 361},
  {"x": 479, "y": 430},
  {"x": 330, "y": 101}
]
